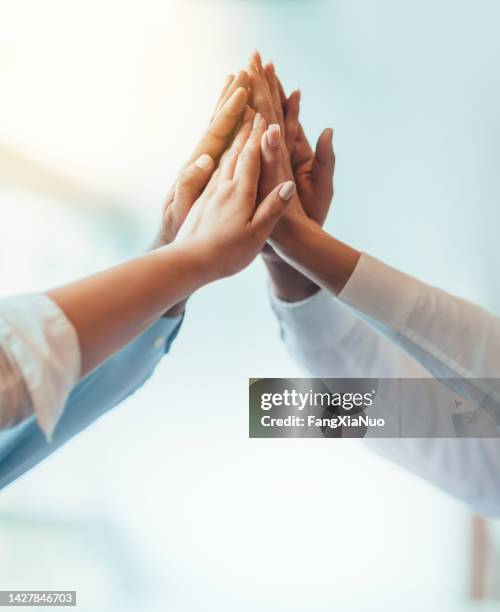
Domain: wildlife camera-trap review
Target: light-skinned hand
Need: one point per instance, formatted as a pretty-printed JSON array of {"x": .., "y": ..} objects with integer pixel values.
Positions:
[{"x": 225, "y": 228}]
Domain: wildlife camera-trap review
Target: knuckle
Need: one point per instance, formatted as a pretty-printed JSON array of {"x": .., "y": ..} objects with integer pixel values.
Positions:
[
  {"x": 225, "y": 189},
  {"x": 248, "y": 154}
]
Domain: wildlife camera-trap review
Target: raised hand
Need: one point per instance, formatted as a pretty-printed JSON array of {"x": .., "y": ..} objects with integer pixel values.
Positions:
[
  {"x": 294, "y": 158},
  {"x": 225, "y": 229},
  {"x": 313, "y": 170},
  {"x": 197, "y": 170},
  {"x": 229, "y": 110}
]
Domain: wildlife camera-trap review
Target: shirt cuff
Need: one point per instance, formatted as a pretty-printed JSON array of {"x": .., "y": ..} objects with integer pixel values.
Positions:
[
  {"x": 42, "y": 343},
  {"x": 314, "y": 323},
  {"x": 382, "y": 293}
]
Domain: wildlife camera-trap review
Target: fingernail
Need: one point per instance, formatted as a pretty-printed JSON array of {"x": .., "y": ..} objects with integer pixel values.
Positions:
[
  {"x": 246, "y": 114},
  {"x": 273, "y": 135},
  {"x": 287, "y": 191},
  {"x": 256, "y": 120},
  {"x": 205, "y": 162}
]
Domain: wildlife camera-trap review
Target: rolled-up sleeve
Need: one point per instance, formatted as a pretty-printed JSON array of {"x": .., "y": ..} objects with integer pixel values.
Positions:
[{"x": 40, "y": 360}]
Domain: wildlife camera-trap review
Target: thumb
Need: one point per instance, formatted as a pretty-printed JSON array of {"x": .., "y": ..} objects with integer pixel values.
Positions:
[
  {"x": 324, "y": 165},
  {"x": 190, "y": 185},
  {"x": 270, "y": 210}
]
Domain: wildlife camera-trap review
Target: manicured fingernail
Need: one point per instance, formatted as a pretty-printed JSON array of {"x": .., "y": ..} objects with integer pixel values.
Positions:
[
  {"x": 273, "y": 135},
  {"x": 287, "y": 191},
  {"x": 256, "y": 120},
  {"x": 205, "y": 162}
]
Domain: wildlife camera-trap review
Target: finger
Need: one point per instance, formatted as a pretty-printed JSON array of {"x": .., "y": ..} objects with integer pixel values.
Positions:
[
  {"x": 271, "y": 146},
  {"x": 268, "y": 213},
  {"x": 242, "y": 79},
  {"x": 261, "y": 96},
  {"x": 247, "y": 171},
  {"x": 323, "y": 166},
  {"x": 230, "y": 157},
  {"x": 215, "y": 139},
  {"x": 272, "y": 82},
  {"x": 227, "y": 83},
  {"x": 271, "y": 172},
  {"x": 283, "y": 96},
  {"x": 262, "y": 73},
  {"x": 192, "y": 181},
  {"x": 292, "y": 120}
]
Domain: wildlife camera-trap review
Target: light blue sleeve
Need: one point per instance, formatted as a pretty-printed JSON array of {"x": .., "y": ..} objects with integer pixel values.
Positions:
[{"x": 24, "y": 446}]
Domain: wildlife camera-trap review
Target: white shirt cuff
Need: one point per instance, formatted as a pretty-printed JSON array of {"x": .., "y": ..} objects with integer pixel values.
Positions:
[
  {"x": 42, "y": 343},
  {"x": 314, "y": 323},
  {"x": 382, "y": 293}
]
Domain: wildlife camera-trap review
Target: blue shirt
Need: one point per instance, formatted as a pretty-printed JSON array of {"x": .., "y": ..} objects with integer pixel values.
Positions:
[{"x": 24, "y": 446}]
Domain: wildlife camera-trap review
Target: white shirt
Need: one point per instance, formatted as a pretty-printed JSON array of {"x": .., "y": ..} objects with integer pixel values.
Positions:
[
  {"x": 39, "y": 360},
  {"x": 386, "y": 324}
]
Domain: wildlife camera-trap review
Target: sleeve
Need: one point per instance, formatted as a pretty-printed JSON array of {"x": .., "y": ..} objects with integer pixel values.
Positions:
[
  {"x": 120, "y": 376},
  {"x": 330, "y": 340},
  {"x": 39, "y": 360},
  {"x": 454, "y": 340}
]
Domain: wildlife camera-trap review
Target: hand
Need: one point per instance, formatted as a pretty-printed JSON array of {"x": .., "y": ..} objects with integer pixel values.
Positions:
[
  {"x": 192, "y": 180},
  {"x": 228, "y": 113},
  {"x": 225, "y": 228},
  {"x": 314, "y": 171}
]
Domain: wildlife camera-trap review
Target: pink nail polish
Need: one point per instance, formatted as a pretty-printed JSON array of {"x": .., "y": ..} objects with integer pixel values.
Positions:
[
  {"x": 273, "y": 135},
  {"x": 287, "y": 191}
]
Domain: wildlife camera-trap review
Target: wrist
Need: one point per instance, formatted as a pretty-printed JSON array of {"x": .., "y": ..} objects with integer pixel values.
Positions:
[
  {"x": 189, "y": 265},
  {"x": 287, "y": 283},
  {"x": 290, "y": 234},
  {"x": 178, "y": 309}
]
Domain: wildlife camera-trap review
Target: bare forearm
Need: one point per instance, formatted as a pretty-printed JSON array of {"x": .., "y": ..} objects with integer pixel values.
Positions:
[
  {"x": 323, "y": 259},
  {"x": 112, "y": 307},
  {"x": 177, "y": 309}
]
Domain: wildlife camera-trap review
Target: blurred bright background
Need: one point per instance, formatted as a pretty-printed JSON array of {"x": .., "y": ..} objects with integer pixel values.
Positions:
[{"x": 165, "y": 504}]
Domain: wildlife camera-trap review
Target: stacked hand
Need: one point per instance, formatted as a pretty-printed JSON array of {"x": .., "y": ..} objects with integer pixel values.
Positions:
[
  {"x": 253, "y": 184},
  {"x": 225, "y": 205}
]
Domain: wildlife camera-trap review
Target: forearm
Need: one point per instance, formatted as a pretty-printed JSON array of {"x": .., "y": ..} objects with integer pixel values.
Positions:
[
  {"x": 428, "y": 323},
  {"x": 110, "y": 308},
  {"x": 177, "y": 309},
  {"x": 324, "y": 260}
]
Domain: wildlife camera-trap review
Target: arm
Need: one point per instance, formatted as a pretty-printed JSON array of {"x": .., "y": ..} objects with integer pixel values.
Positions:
[
  {"x": 451, "y": 338},
  {"x": 220, "y": 236},
  {"x": 24, "y": 446},
  {"x": 330, "y": 341},
  {"x": 105, "y": 387}
]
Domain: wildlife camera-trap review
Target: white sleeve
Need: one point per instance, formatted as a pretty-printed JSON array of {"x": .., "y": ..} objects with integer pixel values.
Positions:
[
  {"x": 330, "y": 340},
  {"x": 39, "y": 360},
  {"x": 450, "y": 337}
]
